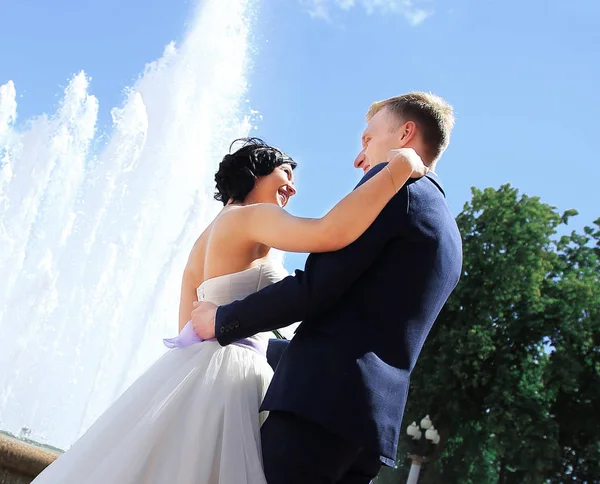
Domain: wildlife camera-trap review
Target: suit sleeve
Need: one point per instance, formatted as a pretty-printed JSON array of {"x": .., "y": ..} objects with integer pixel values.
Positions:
[{"x": 325, "y": 279}]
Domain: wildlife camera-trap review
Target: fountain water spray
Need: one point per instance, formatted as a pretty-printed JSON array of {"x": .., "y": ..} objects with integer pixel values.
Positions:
[{"x": 95, "y": 231}]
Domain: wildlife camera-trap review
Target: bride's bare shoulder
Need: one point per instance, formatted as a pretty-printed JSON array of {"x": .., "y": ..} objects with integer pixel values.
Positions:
[
  {"x": 246, "y": 213},
  {"x": 227, "y": 224},
  {"x": 235, "y": 216}
]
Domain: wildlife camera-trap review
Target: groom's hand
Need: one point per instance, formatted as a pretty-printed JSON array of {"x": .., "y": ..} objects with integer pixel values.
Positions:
[{"x": 203, "y": 319}]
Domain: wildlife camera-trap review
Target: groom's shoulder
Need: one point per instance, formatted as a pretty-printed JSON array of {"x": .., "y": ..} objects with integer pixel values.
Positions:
[
  {"x": 430, "y": 186},
  {"x": 427, "y": 205},
  {"x": 436, "y": 182}
]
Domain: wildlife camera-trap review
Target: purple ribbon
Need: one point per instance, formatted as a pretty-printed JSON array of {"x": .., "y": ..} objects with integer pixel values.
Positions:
[{"x": 188, "y": 337}]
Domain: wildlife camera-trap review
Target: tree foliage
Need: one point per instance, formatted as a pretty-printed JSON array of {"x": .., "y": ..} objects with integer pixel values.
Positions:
[{"x": 510, "y": 373}]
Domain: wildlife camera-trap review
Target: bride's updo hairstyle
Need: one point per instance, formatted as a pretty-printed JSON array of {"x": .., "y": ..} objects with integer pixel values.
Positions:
[{"x": 239, "y": 169}]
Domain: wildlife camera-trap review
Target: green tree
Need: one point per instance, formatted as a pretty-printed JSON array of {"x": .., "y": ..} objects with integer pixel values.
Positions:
[
  {"x": 573, "y": 373},
  {"x": 511, "y": 370}
]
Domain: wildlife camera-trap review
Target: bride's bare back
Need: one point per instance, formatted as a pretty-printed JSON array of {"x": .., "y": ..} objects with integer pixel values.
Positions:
[{"x": 218, "y": 251}]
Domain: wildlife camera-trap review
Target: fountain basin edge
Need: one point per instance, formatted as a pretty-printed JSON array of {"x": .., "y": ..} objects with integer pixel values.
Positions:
[{"x": 21, "y": 461}]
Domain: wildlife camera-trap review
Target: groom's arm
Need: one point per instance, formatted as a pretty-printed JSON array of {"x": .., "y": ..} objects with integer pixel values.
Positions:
[{"x": 326, "y": 278}]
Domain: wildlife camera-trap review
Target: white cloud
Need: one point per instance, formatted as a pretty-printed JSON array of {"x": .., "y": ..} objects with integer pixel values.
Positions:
[{"x": 414, "y": 11}]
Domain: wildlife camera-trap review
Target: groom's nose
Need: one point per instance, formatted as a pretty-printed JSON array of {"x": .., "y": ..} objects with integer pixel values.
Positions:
[{"x": 360, "y": 159}]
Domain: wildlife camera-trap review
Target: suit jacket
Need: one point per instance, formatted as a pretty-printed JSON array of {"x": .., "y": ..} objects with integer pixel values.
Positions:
[
  {"x": 366, "y": 311},
  {"x": 275, "y": 351}
]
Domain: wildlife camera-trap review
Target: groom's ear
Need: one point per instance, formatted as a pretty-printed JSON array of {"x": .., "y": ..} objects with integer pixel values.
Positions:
[{"x": 407, "y": 132}]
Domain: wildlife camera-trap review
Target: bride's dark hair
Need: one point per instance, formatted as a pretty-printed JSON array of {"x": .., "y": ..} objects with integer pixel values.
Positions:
[{"x": 239, "y": 170}]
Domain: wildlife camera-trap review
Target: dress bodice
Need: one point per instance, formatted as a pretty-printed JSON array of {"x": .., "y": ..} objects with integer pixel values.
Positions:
[
  {"x": 238, "y": 285},
  {"x": 234, "y": 287},
  {"x": 228, "y": 288}
]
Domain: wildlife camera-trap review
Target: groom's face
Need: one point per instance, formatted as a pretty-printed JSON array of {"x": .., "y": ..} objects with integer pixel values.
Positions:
[{"x": 381, "y": 135}]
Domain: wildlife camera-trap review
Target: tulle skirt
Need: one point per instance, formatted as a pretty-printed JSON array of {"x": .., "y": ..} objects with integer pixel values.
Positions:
[{"x": 193, "y": 417}]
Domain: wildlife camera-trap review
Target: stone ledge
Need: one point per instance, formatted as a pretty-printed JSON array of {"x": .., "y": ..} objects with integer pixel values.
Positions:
[{"x": 21, "y": 462}]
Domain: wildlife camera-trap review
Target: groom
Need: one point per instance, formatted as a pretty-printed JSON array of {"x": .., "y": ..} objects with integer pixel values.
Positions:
[{"x": 338, "y": 394}]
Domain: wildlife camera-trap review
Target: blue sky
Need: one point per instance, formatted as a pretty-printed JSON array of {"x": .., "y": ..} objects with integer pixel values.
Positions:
[{"x": 523, "y": 78}]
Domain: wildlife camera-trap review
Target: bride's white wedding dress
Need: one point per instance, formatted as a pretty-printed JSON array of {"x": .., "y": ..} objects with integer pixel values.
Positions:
[{"x": 191, "y": 418}]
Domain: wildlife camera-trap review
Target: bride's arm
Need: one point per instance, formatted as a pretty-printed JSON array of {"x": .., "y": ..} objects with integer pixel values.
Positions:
[
  {"x": 192, "y": 278},
  {"x": 272, "y": 226},
  {"x": 187, "y": 298}
]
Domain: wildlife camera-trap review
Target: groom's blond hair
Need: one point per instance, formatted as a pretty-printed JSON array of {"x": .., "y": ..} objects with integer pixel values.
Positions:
[{"x": 433, "y": 116}]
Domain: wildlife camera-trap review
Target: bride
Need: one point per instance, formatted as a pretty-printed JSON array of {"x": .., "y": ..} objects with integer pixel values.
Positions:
[{"x": 193, "y": 417}]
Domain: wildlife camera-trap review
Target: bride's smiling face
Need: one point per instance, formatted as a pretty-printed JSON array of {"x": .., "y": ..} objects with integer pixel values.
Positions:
[{"x": 277, "y": 187}]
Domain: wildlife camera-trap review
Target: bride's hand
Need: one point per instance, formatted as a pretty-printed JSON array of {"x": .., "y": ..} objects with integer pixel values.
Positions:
[
  {"x": 409, "y": 157},
  {"x": 203, "y": 319}
]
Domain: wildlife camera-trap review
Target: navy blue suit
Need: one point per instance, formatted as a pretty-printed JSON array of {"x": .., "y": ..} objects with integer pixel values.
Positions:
[{"x": 366, "y": 311}]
